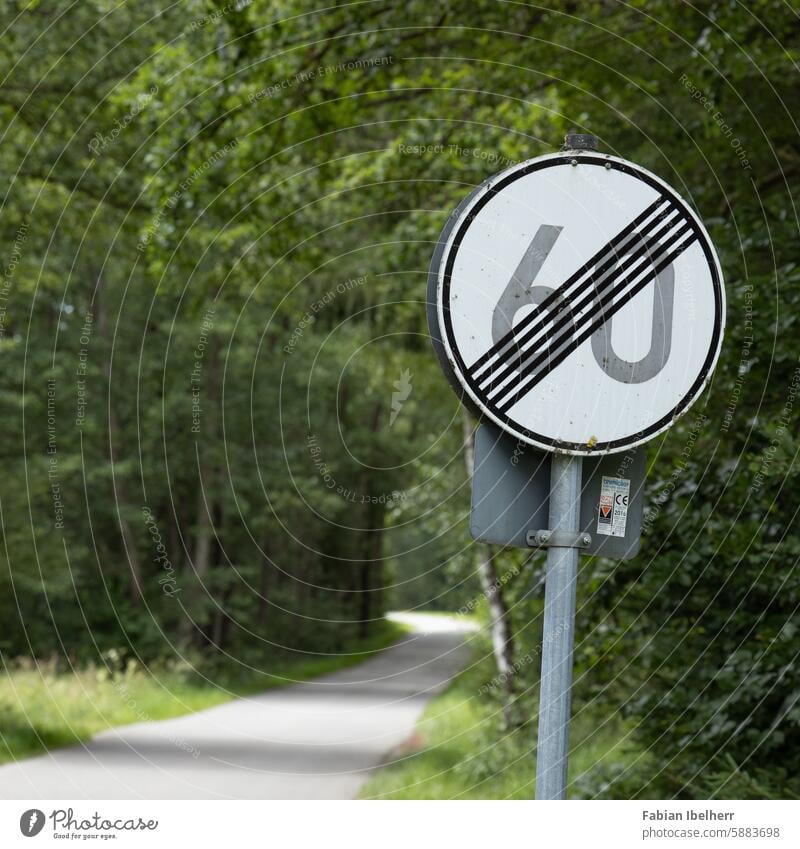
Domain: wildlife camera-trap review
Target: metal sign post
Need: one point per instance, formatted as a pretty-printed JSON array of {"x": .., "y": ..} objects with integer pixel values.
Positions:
[
  {"x": 558, "y": 633},
  {"x": 575, "y": 303}
]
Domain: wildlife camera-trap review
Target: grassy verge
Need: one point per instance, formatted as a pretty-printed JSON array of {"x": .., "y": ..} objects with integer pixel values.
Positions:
[
  {"x": 41, "y": 708},
  {"x": 461, "y": 750}
]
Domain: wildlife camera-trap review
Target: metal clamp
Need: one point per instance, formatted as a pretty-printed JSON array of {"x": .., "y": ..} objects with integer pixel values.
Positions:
[
  {"x": 558, "y": 539},
  {"x": 580, "y": 141}
]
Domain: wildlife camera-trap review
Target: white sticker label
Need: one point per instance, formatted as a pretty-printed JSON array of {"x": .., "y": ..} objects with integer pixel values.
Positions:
[{"x": 612, "y": 512}]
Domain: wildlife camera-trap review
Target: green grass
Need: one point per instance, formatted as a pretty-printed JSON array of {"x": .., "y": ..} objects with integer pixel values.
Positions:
[
  {"x": 461, "y": 750},
  {"x": 41, "y": 708}
]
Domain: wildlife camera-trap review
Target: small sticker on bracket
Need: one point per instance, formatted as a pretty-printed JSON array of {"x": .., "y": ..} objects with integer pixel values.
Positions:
[{"x": 612, "y": 512}]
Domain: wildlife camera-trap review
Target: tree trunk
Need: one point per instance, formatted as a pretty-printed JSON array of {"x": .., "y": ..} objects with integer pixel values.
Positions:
[
  {"x": 371, "y": 569},
  {"x": 135, "y": 590},
  {"x": 265, "y": 587},
  {"x": 122, "y": 503},
  {"x": 502, "y": 639},
  {"x": 221, "y": 626},
  {"x": 200, "y": 562},
  {"x": 222, "y": 620}
]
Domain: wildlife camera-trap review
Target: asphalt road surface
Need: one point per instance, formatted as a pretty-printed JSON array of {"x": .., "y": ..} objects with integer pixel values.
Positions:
[{"x": 316, "y": 740}]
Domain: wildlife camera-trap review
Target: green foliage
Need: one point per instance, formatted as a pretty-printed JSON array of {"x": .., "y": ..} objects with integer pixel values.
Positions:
[
  {"x": 269, "y": 182},
  {"x": 461, "y": 748}
]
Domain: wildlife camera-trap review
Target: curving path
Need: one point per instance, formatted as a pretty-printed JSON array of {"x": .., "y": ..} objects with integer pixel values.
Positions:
[{"x": 316, "y": 740}]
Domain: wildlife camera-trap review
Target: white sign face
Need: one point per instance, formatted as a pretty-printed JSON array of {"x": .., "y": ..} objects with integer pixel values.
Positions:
[{"x": 579, "y": 302}]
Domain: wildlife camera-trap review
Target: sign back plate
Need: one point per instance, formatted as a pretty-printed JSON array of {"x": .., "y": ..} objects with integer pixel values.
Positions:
[{"x": 511, "y": 493}]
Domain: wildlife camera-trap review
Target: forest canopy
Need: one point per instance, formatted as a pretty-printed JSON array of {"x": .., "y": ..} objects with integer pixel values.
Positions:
[{"x": 226, "y": 431}]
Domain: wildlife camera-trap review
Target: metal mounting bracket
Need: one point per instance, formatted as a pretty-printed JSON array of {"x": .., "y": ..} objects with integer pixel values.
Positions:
[{"x": 558, "y": 539}]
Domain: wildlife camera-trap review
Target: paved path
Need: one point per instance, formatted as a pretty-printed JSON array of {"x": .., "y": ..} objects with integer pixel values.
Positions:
[{"x": 317, "y": 740}]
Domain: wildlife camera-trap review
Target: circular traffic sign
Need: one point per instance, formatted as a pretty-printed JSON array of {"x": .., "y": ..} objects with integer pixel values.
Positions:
[{"x": 577, "y": 301}]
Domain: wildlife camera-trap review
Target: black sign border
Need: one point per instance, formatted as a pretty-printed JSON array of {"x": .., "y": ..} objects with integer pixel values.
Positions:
[{"x": 461, "y": 374}]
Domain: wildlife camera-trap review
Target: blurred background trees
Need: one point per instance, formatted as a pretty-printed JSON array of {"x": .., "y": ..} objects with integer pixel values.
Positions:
[{"x": 217, "y": 222}]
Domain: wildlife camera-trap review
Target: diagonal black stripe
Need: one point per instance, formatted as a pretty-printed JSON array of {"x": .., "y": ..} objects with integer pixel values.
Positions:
[
  {"x": 608, "y": 310},
  {"x": 502, "y": 369},
  {"x": 590, "y": 263},
  {"x": 608, "y": 253},
  {"x": 563, "y": 344}
]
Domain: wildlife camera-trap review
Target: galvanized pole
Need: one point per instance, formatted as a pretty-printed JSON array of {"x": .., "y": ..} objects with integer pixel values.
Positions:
[
  {"x": 559, "y": 630},
  {"x": 559, "y": 607}
]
